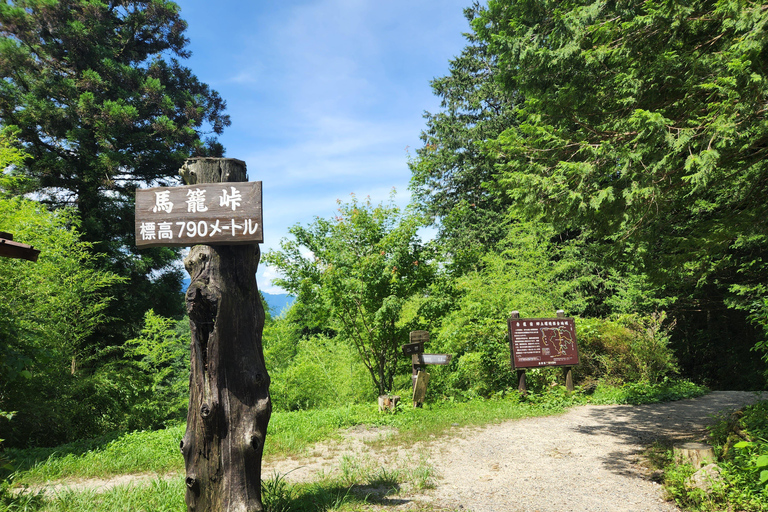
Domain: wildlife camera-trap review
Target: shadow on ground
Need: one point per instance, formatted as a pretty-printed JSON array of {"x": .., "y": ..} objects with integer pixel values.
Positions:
[{"x": 668, "y": 423}]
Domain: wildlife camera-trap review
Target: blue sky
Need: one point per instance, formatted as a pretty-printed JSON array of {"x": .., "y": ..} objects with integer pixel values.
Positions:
[{"x": 326, "y": 97}]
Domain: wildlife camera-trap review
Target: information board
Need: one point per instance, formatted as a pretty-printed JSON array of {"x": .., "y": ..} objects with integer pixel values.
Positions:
[
  {"x": 542, "y": 342},
  {"x": 209, "y": 213}
]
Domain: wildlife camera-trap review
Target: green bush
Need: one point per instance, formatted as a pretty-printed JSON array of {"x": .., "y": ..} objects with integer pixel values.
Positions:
[
  {"x": 741, "y": 443},
  {"x": 630, "y": 348},
  {"x": 160, "y": 359},
  {"x": 321, "y": 373}
]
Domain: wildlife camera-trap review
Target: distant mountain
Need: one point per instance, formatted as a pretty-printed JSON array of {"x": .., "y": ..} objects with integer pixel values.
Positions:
[{"x": 277, "y": 303}]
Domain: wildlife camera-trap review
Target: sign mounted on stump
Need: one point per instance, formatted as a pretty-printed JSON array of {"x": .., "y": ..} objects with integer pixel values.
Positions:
[
  {"x": 543, "y": 342},
  {"x": 206, "y": 213}
]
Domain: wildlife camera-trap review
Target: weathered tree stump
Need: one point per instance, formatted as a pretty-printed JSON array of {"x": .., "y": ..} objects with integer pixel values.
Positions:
[
  {"x": 388, "y": 402},
  {"x": 695, "y": 454},
  {"x": 229, "y": 403}
]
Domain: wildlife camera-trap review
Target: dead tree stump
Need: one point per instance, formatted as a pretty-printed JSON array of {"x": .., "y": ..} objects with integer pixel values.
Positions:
[
  {"x": 229, "y": 404},
  {"x": 695, "y": 454}
]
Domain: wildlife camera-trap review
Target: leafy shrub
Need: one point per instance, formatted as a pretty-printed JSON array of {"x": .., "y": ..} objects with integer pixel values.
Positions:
[
  {"x": 741, "y": 442},
  {"x": 630, "y": 348},
  {"x": 760, "y": 317},
  {"x": 160, "y": 357},
  {"x": 321, "y": 373},
  {"x": 49, "y": 312}
]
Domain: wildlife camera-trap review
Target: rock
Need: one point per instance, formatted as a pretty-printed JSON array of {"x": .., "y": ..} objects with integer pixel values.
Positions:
[{"x": 705, "y": 478}]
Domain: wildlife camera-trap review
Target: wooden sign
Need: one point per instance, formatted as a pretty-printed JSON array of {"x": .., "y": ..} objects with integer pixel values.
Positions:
[
  {"x": 11, "y": 249},
  {"x": 207, "y": 213},
  {"x": 543, "y": 342},
  {"x": 413, "y": 348},
  {"x": 422, "y": 359},
  {"x": 418, "y": 336}
]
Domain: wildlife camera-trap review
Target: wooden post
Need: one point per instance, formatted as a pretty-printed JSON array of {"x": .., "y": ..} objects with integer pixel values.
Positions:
[
  {"x": 229, "y": 403},
  {"x": 520, "y": 373},
  {"x": 568, "y": 375},
  {"x": 568, "y": 370},
  {"x": 521, "y": 382}
]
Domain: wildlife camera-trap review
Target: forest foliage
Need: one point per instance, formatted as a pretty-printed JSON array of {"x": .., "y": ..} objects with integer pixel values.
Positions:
[{"x": 565, "y": 169}]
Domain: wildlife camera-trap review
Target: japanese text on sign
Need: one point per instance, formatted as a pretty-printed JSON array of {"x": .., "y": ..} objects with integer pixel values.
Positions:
[
  {"x": 220, "y": 213},
  {"x": 539, "y": 342}
]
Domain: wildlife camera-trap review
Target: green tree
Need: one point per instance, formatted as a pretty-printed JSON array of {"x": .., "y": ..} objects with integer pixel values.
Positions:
[
  {"x": 49, "y": 310},
  {"x": 355, "y": 273},
  {"x": 527, "y": 272},
  {"x": 161, "y": 353},
  {"x": 644, "y": 127},
  {"x": 450, "y": 171},
  {"x": 643, "y": 122},
  {"x": 101, "y": 103}
]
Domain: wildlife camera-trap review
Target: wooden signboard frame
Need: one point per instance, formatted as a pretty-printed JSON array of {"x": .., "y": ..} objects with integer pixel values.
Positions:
[
  {"x": 204, "y": 213},
  {"x": 543, "y": 343}
]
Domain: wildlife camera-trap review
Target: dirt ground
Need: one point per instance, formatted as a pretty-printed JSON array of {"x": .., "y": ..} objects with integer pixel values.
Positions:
[{"x": 587, "y": 459}]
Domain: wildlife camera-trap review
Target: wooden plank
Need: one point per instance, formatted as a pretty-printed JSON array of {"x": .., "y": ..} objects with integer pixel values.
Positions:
[
  {"x": 413, "y": 348},
  {"x": 420, "y": 389},
  {"x": 416, "y": 336},
  {"x": 206, "y": 213},
  {"x": 422, "y": 359},
  {"x": 11, "y": 249}
]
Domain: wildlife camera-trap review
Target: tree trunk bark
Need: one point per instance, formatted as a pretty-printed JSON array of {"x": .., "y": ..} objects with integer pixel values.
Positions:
[{"x": 229, "y": 404}]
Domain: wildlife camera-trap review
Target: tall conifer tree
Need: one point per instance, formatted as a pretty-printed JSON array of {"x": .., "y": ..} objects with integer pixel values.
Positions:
[{"x": 103, "y": 105}]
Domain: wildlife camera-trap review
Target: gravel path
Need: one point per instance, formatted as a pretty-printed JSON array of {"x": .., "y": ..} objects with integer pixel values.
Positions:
[
  {"x": 584, "y": 460},
  {"x": 588, "y": 459}
]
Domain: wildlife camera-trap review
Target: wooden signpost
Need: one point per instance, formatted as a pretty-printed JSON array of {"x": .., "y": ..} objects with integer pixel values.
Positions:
[
  {"x": 541, "y": 343},
  {"x": 11, "y": 249},
  {"x": 419, "y": 360},
  {"x": 229, "y": 403}
]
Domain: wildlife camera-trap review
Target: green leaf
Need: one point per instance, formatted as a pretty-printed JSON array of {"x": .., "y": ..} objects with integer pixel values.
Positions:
[
  {"x": 742, "y": 444},
  {"x": 764, "y": 476},
  {"x": 762, "y": 461}
]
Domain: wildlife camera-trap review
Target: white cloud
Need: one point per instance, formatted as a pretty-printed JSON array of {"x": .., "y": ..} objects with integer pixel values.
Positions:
[{"x": 324, "y": 95}]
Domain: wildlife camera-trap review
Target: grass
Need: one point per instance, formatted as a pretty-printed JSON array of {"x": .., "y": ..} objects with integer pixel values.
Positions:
[
  {"x": 741, "y": 445},
  {"x": 359, "y": 483},
  {"x": 290, "y": 433}
]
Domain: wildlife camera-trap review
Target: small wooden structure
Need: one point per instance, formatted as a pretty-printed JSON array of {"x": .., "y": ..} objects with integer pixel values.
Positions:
[
  {"x": 11, "y": 249},
  {"x": 419, "y": 362}
]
